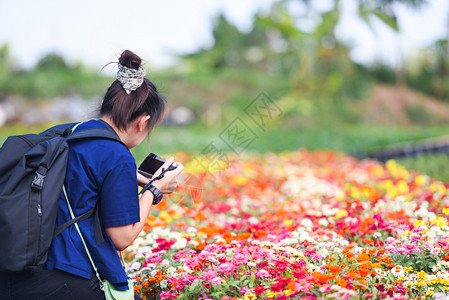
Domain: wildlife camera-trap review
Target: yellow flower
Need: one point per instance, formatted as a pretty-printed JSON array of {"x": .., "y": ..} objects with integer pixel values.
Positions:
[
  {"x": 446, "y": 211},
  {"x": 437, "y": 187},
  {"x": 439, "y": 221},
  {"x": 271, "y": 294},
  {"x": 341, "y": 213},
  {"x": 396, "y": 170},
  {"x": 419, "y": 223},
  {"x": 165, "y": 216},
  {"x": 239, "y": 180},
  {"x": 420, "y": 180},
  {"x": 422, "y": 275},
  {"x": 403, "y": 187},
  {"x": 288, "y": 222},
  {"x": 378, "y": 171},
  {"x": 249, "y": 297},
  {"x": 355, "y": 193}
]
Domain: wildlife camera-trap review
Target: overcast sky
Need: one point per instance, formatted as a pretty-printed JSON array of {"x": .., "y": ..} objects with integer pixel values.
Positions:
[{"x": 96, "y": 31}]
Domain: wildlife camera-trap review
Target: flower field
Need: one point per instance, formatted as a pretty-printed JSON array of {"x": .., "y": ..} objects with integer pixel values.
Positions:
[{"x": 297, "y": 225}]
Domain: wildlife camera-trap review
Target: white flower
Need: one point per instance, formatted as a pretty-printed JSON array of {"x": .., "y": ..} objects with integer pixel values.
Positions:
[
  {"x": 165, "y": 263},
  {"x": 171, "y": 270},
  {"x": 163, "y": 283},
  {"x": 136, "y": 265},
  {"x": 253, "y": 221},
  {"x": 252, "y": 264},
  {"x": 398, "y": 271},
  {"x": 306, "y": 223},
  {"x": 323, "y": 222},
  {"x": 324, "y": 252},
  {"x": 192, "y": 230},
  {"x": 288, "y": 241},
  {"x": 377, "y": 235}
]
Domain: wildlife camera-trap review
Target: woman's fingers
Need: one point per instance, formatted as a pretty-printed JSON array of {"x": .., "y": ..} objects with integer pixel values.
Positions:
[{"x": 169, "y": 182}]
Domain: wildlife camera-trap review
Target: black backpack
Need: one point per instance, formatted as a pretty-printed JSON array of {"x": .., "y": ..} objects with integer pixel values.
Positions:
[{"x": 32, "y": 173}]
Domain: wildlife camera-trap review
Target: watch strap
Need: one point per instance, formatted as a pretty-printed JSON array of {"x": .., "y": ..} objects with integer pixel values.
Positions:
[{"x": 157, "y": 194}]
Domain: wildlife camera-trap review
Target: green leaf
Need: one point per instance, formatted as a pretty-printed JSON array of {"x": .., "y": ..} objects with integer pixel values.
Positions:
[
  {"x": 391, "y": 21},
  {"x": 194, "y": 286},
  {"x": 217, "y": 295},
  {"x": 252, "y": 279}
]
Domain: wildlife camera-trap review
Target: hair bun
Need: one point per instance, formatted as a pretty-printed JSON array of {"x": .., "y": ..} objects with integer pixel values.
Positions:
[{"x": 130, "y": 59}]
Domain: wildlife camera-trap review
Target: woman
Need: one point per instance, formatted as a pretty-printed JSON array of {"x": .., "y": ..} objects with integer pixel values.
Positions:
[{"x": 103, "y": 171}]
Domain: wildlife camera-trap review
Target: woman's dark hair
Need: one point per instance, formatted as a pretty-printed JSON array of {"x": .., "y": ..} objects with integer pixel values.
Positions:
[{"x": 124, "y": 108}]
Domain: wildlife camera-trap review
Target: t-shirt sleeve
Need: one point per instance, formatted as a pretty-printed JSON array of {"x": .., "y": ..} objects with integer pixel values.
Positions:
[{"x": 119, "y": 199}]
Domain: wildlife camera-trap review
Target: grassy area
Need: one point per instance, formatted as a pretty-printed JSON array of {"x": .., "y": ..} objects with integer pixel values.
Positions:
[
  {"x": 350, "y": 139},
  {"x": 434, "y": 165}
]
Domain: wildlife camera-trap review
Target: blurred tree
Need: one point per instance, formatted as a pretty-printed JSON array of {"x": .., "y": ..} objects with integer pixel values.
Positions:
[
  {"x": 6, "y": 62},
  {"x": 52, "y": 61},
  {"x": 385, "y": 11},
  {"x": 230, "y": 46}
]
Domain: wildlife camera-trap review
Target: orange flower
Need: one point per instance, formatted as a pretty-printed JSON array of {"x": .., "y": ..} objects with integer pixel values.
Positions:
[
  {"x": 243, "y": 236},
  {"x": 137, "y": 289},
  {"x": 362, "y": 284},
  {"x": 334, "y": 269},
  {"x": 364, "y": 272},
  {"x": 377, "y": 266},
  {"x": 341, "y": 282},
  {"x": 363, "y": 257},
  {"x": 145, "y": 284},
  {"x": 291, "y": 286},
  {"x": 384, "y": 259},
  {"x": 367, "y": 265},
  {"x": 347, "y": 248},
  {"x": 323, "y": 278}
]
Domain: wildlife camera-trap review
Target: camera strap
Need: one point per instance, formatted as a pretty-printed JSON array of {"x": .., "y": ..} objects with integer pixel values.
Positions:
[{"x": 159, "y": 177}]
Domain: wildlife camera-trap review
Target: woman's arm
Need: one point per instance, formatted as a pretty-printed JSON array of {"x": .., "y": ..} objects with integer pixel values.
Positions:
[{"x": 123, "y": 236}]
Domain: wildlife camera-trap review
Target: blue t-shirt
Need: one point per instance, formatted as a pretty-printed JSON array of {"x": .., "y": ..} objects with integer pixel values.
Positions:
[{"x": 98, "y": 170}]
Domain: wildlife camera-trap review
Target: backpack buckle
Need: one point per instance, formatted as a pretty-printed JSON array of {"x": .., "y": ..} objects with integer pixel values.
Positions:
[{"x": 38, "y": 182}]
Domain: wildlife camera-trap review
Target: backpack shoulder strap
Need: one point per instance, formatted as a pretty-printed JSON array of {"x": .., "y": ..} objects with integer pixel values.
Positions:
[{"x": 105, "y": 133}]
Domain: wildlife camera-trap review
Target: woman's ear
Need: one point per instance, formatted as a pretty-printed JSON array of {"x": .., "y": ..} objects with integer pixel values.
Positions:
[{"x": 142, "y": 122}]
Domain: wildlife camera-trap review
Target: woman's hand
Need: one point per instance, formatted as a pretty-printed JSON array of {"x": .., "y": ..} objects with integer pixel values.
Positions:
[
  {"x": 142, "y": 180},
  {"x": 169, "y": 182},
  {"x": 123, "y": 236}
]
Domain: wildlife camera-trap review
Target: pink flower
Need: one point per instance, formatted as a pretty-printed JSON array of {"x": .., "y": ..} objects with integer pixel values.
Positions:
[
  {"x": 262, "y": 274},
  {"x": 216, "y": 280},
  {"x": 168, "y": 295},
  {"x": 226, "y": 268},
  {"x": 245, "y": 290}
]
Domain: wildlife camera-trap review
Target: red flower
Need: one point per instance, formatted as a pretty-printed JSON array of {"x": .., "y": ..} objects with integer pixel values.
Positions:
[{"x": 259, "y": 290}]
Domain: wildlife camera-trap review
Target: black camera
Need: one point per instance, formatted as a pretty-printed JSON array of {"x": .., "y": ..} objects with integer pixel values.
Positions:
[{"x": 151, "y": 164}]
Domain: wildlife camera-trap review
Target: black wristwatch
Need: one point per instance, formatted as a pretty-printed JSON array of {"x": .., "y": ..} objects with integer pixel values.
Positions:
[{"x": 156, "y": 193}]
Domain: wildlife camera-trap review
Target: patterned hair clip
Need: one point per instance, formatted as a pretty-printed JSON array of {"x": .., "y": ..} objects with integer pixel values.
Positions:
[{"x": 131, "y": 79}]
